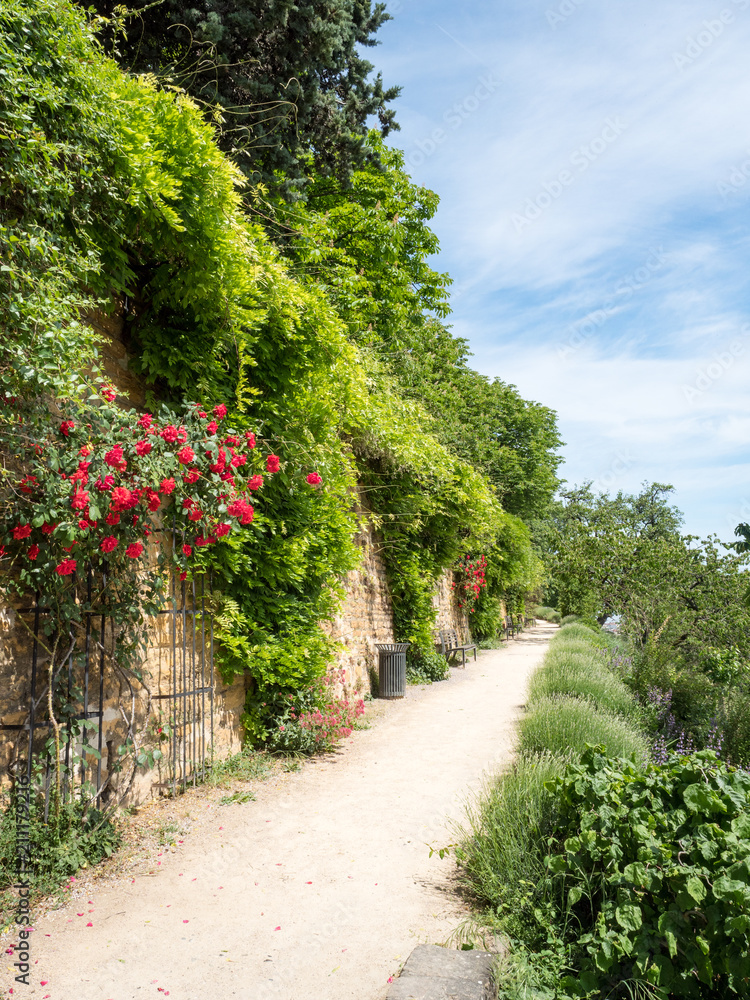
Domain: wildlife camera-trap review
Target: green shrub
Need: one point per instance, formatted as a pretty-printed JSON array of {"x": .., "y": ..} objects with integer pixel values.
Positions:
[
  {"x": 649, "y": 878},
  {"x": 569, "y": 619},
  {"x": 502, "y": 853},
  {"x": 563, "y": 725},
  {"x": 583, "y": 677},
  {"x": 74, "y": 836},
  {"x": 426, "y": 666},
  {"x": 576, "y": 630},
  {"x": 735, "y": 728},
  {"x": 547, "y": 614}
]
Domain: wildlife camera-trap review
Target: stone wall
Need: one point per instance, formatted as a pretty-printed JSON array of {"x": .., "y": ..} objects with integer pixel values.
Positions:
[{"x": 366, "y": 615}]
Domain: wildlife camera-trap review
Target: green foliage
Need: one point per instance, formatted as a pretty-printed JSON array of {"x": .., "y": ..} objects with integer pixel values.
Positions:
[
  {"x": 548, "y": 614},
  {"x": 567, "y": 724},
  {"x": 286, "y": 83},
  {"x": 625, "y": 556},
  {"x": 510, "y": 821},
  {"x": 75, "y": 835},
  {"x": 649, "y": 875},
  {"x": 585, "y": 676}
]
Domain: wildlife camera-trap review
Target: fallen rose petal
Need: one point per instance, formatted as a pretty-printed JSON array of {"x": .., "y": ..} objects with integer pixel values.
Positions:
[
  {"x": 89, "y": 924},
  {"x": 186, "y": 921}
]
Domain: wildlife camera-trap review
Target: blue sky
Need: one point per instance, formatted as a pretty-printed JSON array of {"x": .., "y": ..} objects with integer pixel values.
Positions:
[{"x": 593, "y": 165}]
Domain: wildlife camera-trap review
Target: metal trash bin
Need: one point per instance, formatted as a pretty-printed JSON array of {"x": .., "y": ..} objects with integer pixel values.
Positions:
[{"x": 392, "y": 669}]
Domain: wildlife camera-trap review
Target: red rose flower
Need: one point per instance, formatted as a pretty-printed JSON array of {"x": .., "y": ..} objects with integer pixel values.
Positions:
[
  {"x": 227, "y": 477},
  {"x": 145, "y": 421},
  {"x": 47, "y": 529},
  {"x": 143, "y": 447},
  {"x": 28, "y": 483},
  {"x": 123, "y": 498},
  {"x": 109, "y": 544},
  {"x": 239, "y": 460},
  {"x": 66, "y": 567},
  {"x": 154, "y": 500},
  {"x": 212, "y": 428},
  {"x": 314, "y": 479},
  {"x": 108, "y": 392},
  {"x": 195, "y": 515},
  {"x": 187, "y": 550},
  {"x": 21, "y": 531},
  {"x": 170, "y": 433},
  {"x": 185, "y": 455},
  {"x": 85, "y": 450},
  {"x": 80, "y": 500},
  {"x": 220, "y": 411},
  {"x": 114, "y": 456},
  {"x": 33, "y": 552},
  {"x": 191, "y": 476},
  {"x": 66, "y": 427},
  {"x": 250, "y": 438},
  {"x": 255, "y": 482},
  {"x": 83, "y": 525},
  {"x": 103, "y": 485},
  {"x": 167, "y": 486},
  {"x": 134, "y": 550},
  {"x": 183, "y": 575},
  {"x": 112, "y": 519},
  {"x": 222, "y": 529},
  {"x": 272, "y": 463},
  {"x": 200, "y": 541}
]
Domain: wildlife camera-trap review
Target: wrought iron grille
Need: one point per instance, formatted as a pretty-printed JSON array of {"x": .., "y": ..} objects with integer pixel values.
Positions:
[{"x": 86, "y": 682}]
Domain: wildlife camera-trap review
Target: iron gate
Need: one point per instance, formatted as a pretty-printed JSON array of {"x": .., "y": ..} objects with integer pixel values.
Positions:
[{"x": 74, "y": 747}]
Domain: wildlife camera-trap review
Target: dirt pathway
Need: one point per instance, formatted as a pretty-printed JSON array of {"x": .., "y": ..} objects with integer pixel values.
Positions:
[{"x": 320, "y": 888}]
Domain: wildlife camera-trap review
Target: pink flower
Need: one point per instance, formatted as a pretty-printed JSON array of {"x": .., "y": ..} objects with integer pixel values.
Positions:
[
  {"x": 272, "y": 463},
  {"x": 66, "y": 567},
  {"x": 170, "y": 434},
  {"x": 134, "y": 550},
  {"x": 212, "y": 428},
  {"x": 185, "y": 455},
  {"x": 187, "y": 550},
  {"x": 109, "y": 544},
  {"x": 255, "y": 482},
  {"x": 21, "y": 531},
  {"x": 145, "y": 421},
  {"x": 143, "y": 447},
  {"x": 220, "y": 411},
  {"x": 66, "y": 427},
  {"x": 314, "y": 479},
  {"x": 167, "y": 486},
  {"x": 33, "y": 552}
]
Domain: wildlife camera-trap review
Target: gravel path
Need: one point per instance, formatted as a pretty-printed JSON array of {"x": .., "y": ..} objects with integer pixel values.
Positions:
[{"x": 320, "y": 888}]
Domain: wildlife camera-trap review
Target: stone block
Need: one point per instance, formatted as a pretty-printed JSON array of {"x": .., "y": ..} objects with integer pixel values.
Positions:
[{"x": 434, "y": 973}]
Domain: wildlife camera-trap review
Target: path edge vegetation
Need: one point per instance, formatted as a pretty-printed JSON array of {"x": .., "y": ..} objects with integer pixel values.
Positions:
[{"x": 606, "y": 872}]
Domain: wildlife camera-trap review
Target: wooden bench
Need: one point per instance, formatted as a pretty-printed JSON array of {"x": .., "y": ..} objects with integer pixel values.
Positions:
[
  {"x": 449, "y": 645},
  {"x": 510, "y": 627}
]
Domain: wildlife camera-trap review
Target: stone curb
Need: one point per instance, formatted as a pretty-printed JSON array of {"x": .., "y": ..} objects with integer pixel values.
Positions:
[{"x": 434, "y": 973}]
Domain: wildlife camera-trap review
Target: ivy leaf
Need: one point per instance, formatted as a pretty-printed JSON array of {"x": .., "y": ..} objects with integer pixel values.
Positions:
[{"x": 629, "y": 916}]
